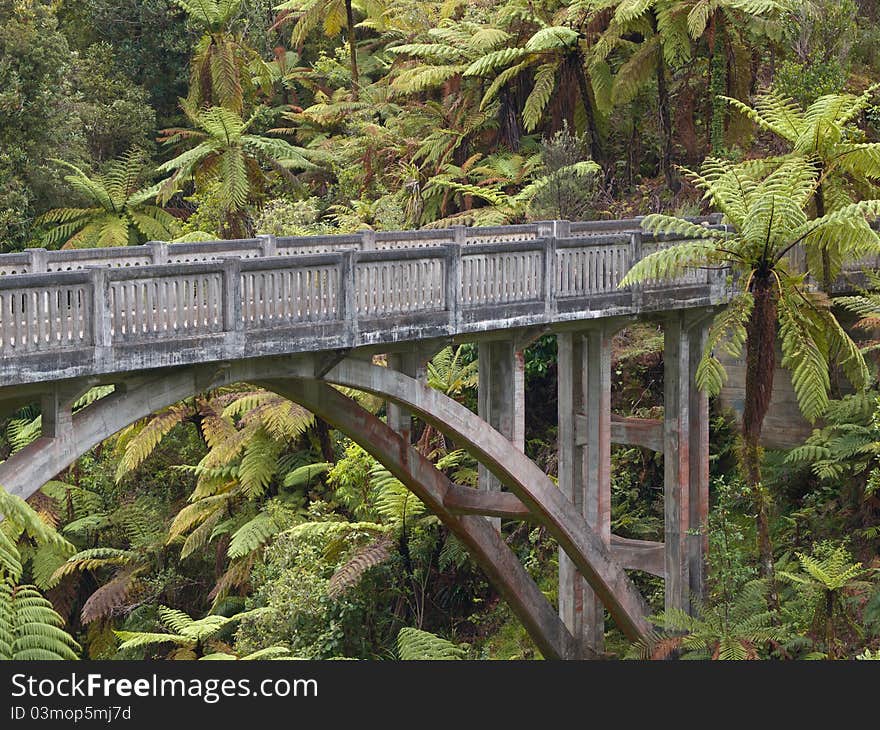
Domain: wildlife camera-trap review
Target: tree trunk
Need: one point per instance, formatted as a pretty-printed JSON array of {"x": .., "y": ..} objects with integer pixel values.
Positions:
[
  {"x": 663, "y": 104},
  {"x": 819, "y": 198},
  {"x": 352, "y": 49},
  {"x": 322, "y": 429},
  {"x": 760, "y": 366},
  {"x": 596, "y": 147},
  {"x": 718, "y": 83},
  {"x": 663, "y": 109},
  {"x": 829, "y": 624}
]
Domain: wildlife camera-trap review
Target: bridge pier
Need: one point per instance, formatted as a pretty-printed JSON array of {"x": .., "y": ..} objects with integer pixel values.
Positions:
[
  {"x": 501, "y": 401},
  {"x": 584, "y": 411},
  {"x": 686, "y": 461}
]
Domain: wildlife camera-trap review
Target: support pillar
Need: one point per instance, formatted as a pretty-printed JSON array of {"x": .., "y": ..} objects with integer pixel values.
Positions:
[
  {"x": 411, "y": 362},
  {"x": 56, "y": 408},
  {"x": 584, "y": 405},
  {"x": 399, "y": 419},
  {"x": 698, "y": 477},
  {"x": 500, "y": 401},
  {"x": 686, "y": 461}
]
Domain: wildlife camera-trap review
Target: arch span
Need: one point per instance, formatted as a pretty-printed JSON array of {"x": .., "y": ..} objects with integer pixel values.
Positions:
[
  {"x": 24, "y": 472},
  {"x": 516, "y": 471}
]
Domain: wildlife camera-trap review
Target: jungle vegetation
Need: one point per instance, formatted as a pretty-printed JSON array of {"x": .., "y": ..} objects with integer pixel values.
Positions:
[{"x": 236, "y": 524}]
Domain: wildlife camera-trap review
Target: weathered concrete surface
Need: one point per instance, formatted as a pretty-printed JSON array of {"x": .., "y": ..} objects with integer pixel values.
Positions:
[
  {"x": 584, "y": 457},
  {"x": 28, "y": 469},
  {"x": 493, "y": 555},
  {"x": 785, "y": 426},
  {"x": 590, "y": 554},
  {"x": 498, "y": 394},
  {"x": 118, "y": 318}
]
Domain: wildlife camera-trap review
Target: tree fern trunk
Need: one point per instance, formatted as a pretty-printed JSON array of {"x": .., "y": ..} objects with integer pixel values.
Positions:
[
  {"x": 352, "y": 49},
  {"x": 829, "y": 624},
  {"x": 325, "y": 443},
  {"x": 819, "y": 199},
  {"x": 665, "y": 125},
  {"x": 760, "y": 366},
  {"x": 663, "y": 108},
  {"x": 596, "y": 147},
  {"x": 718, "y": 83}
]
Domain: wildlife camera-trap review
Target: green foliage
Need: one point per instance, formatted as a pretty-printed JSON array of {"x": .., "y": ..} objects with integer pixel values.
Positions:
[
  {"x": 119, "y": 213},
  {"x": 35, "y": 121},
  {"x": 827, "y": 583},
  {"x": 184, "y": 631},
  {"x": 735, "y": 631},
  {"x": 770, "y": 218},
  {"x": 224, "y": 152},
  {"x": 30, "y": 628},
  {"x": 415, "y": 644}
]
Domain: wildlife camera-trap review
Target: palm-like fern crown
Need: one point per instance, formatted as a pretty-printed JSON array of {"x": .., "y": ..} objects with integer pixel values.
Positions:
[
  {"x": 732, "y": 631},
  {"x": 329, "y": 14},
  {"x": 227, "y": 153},
  {"x": 213, "y": 16},
  {"x": 699, "y": 12},
  {"x": 446, "y": 52},
  {"x": 223, "y": 67},
  {"x": 827, "y": 570},
  {"x": 769, "y": 214},
  {"x": 667, "y": 27},
  {"x": 30, "y": 628},
  {"x": 182, "y": 629},
  {"x": 120, "y": 211},
  {"x": 825, "y": 134}
]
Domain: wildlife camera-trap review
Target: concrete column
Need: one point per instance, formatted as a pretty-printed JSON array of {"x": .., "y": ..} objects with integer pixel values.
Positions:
[
  {"x": 686, "y": 461},
  {"x": 698, "y": 476},
  {"x": 56, "y": 409},
  {"x": 499, "y": 401},
  {"x": 519, "y": 405},
  {"x": 584, "y": 405},
  {"x": 676, "y": 459},
  {"x": 409, "y": 362}
]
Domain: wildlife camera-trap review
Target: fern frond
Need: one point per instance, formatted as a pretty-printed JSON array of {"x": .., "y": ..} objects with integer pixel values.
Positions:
[
  {"x": 350, "y": 573},
  {"x": 415, "y": 644}
]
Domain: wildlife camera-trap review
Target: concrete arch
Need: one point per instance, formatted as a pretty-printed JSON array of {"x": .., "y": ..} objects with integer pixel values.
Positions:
[
  {"x": 24, "y": 472},
  {"x": 519, "y": 473}
]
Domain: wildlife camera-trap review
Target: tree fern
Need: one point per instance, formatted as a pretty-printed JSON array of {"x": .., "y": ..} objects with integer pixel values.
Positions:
[
  {"x": 415, "y": 644},
  {"x": 350, "y": 572},
  {"x": 736, "y": 631},
  {"x": 182, "y": 629},
  {"x": 119, "y": 214},
  {"x": 30, "y": 628},
  {"x": 770, "y": 213}
]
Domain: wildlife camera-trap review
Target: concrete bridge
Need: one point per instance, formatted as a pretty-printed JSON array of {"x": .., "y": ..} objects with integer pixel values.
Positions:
[{"x": 298, "y": 315}]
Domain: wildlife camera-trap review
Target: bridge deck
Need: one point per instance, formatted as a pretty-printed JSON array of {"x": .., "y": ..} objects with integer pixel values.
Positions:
[{"x": 95, "y": 312}]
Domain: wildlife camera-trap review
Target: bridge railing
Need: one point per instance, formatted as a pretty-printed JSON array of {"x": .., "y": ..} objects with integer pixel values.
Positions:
[
  {"x": 351, "y": 291},
  {"x": 37, "y": 260}
]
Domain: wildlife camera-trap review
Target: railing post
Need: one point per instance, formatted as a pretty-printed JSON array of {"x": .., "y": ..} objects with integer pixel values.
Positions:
[
  {"x": 268, "y": 244},
  {"x": 347, "y": 303},
  {"x": 549, "y": 263},
  {"x": 368, "y": 240},
  {"x": 635, "y": 257},
  {"x": 233, "y": 322},
  {"x": 554, "y": 228},
  {"x": 158, "y": 252},
  {"x": 453, "y": 286},
  {"x": 459, "y": 235},
  {"x": 37, "y": 260},
  {"x": 101, "y": 324}
]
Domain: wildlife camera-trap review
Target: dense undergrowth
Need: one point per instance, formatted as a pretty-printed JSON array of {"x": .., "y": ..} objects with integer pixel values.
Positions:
[{"x": 237, "y": 525}]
